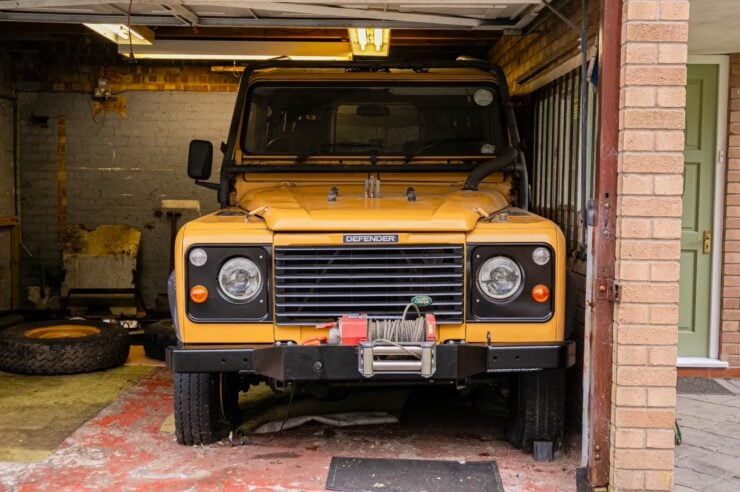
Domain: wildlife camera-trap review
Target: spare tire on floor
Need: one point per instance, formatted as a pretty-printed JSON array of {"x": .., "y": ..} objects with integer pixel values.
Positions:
[
  {"x": 63, "y": 347},
  {"x": 157, "y": 337},
  {"x": 8, "y": 320}
]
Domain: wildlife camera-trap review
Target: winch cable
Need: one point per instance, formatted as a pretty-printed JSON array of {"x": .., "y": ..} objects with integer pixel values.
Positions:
[{"x": 396, "y": 331}]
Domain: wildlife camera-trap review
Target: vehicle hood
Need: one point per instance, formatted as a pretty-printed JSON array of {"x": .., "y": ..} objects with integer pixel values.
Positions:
[{"x": 290, "y": 207}]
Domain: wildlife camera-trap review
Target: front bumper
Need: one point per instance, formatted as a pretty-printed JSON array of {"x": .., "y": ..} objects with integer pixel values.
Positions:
[{"x": 341, "y": 363}]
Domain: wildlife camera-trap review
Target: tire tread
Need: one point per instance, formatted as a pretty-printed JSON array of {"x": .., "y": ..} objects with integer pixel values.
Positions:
[
  {"x": 19, "y": 354},
  {"x": 540, "y": 409},
  {"x": 197, "y": 407}
]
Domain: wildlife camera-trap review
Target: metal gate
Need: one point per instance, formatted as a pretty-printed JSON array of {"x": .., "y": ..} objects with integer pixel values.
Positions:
[{"x": 561, "y": 185}]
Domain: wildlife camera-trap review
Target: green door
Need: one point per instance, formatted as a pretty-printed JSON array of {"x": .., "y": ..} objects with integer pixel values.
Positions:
[{"x": 698, "y": 202}]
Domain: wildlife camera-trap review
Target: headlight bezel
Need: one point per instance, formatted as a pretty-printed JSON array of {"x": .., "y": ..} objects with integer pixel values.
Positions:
[
  {"x": 517, "y": 308},
  {"x": 220, "y": 308}
]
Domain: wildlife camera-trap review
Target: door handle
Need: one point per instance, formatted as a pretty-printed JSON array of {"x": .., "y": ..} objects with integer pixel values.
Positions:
[{"x": 707, "y": 242}]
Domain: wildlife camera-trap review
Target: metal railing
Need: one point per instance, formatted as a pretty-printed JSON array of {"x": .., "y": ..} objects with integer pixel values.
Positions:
[{"x": 557, "y": 170}]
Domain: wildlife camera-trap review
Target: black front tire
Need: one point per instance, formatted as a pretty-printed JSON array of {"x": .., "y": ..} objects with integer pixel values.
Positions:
[
  {"x": 538, "y": 409},
  {"x": 206, "y": 406}
]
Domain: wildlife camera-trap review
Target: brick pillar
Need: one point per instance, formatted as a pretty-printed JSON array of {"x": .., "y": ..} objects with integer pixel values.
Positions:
[
  {"x": 730, "y": 345},
  {"x": 651, "y": 120}
]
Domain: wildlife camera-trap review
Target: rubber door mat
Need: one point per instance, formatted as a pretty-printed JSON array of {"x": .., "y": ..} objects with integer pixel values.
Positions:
[
  {"x": 371, "y": 474},
  {"x": 700, "y": 386}
]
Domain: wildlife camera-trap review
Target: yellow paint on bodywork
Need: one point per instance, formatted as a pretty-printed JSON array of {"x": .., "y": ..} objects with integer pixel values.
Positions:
[
  {"x": 215, "y": 229},
  {"x": 305, "y": 207},
  {"x": 528, "y": 228},
  {"x": 293, "y": 209}
]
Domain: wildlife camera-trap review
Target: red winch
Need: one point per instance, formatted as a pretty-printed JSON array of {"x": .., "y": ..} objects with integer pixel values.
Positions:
[{"x": 354, "y": 329}]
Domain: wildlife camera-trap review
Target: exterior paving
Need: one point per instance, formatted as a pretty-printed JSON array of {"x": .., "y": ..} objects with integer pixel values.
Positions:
[{"x": 708, "y": 459}]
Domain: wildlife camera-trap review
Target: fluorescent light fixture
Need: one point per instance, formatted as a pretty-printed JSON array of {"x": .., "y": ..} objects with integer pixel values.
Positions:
[
  {"x": 240, "y": 50},
  {"x": 369, "y": 41},
  {"x": 122, "y": 35}
]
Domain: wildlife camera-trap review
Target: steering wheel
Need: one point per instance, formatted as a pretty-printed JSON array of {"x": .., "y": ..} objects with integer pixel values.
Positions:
[{"x": 284, "y": 138}]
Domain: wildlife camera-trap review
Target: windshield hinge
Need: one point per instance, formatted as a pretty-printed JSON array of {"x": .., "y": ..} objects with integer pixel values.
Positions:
[{"x": 372, "y": 187}]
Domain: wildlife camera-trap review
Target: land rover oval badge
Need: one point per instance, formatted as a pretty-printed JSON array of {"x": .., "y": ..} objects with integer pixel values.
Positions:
[{"x": 421, "y": 301}]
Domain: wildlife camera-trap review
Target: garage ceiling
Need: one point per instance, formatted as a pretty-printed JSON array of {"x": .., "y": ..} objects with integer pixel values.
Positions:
[{"x": 509, "y": 16}]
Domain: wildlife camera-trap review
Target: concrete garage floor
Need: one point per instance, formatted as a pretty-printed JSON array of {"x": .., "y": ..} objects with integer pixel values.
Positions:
[{"x": 130, "y": 446}]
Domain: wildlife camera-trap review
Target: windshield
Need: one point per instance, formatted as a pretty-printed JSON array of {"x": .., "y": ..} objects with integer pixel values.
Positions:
[{"x": 407, "y": 120}]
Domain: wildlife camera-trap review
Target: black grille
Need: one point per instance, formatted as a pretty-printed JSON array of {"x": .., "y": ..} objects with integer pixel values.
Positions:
[{"x": 319, "y": 284}]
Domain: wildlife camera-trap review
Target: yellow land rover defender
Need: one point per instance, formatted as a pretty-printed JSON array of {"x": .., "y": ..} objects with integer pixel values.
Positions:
[{"x": 373, "y": 230}]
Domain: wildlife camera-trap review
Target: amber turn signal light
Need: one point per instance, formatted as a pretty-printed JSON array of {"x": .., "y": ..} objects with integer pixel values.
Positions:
[
  {"x": 540, "y": 293},
  {"x": 198, "y": 294}
]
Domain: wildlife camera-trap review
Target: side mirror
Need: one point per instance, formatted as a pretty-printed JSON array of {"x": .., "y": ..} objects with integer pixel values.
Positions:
[{"x": 200, "y": 160}]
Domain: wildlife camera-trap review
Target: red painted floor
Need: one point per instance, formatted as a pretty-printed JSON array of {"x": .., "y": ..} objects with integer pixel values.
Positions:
[{"x": 124, "y": 448}]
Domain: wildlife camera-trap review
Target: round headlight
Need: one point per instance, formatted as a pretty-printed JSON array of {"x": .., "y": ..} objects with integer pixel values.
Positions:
[
  {"x": 541, "y": 256},
  {"x": 198, "y": 257},
  {"x": 240, "y": 279},
  {"x": 499, "y": 278}
]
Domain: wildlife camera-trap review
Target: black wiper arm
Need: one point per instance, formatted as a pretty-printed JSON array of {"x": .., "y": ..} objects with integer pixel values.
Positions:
[
  {"x": 305, "y": 155},
  {"x": 430, "y": 145}
]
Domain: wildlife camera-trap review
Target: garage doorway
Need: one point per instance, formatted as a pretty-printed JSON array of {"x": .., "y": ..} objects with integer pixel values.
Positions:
[{"x": 701, "y": 223}]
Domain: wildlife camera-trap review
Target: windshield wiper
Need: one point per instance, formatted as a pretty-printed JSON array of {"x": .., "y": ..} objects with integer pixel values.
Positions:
[
  {"x": 430, "y": 145},
  {"x": 302, "y": 157}
]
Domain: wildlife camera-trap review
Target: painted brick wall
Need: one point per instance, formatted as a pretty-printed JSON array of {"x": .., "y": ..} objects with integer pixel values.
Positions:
[
  {"x": 730, "y": 338},
  {"x": 7, "y": 175},
  {"x": 7, "y": 196},
  {"x": 118, "y": 170},
  {"x": 74, "y": 63},
  {"x": 546, "y": 47},
  {"x": 119, "y": 166},
  {"x": 653, "y": 76}
]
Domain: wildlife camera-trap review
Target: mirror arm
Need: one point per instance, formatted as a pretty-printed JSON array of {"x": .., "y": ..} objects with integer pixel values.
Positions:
[{"x": 206, "y": 184}]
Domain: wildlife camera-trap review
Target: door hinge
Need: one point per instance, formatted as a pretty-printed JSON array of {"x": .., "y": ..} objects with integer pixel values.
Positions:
[{"x": 607, "y": 289}]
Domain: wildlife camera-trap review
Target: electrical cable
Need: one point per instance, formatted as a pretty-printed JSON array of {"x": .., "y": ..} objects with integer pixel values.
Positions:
[
  {"x": 131, "y": 58},
  {"x": 290, "y": 402}
]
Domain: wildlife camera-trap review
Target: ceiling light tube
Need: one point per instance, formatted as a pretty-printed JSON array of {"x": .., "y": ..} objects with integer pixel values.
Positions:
[{"x": 372, "y": 41}]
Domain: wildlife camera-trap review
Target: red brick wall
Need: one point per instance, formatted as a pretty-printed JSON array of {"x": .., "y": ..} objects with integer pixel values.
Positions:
[{"x": 730, "y": 341}]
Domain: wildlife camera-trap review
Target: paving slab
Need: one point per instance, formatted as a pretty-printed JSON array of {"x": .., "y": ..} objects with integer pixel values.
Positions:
[
  {"x": 731, "y": 485},
  {"x": 712, "y": 441},
  {"x": 694, "y": 480},
  {"x": 694, "y": 422},
  {"x": 708, "y": 410},
  {"x": 681, "y": 488},
  {"x": 708, "y": 459}
]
